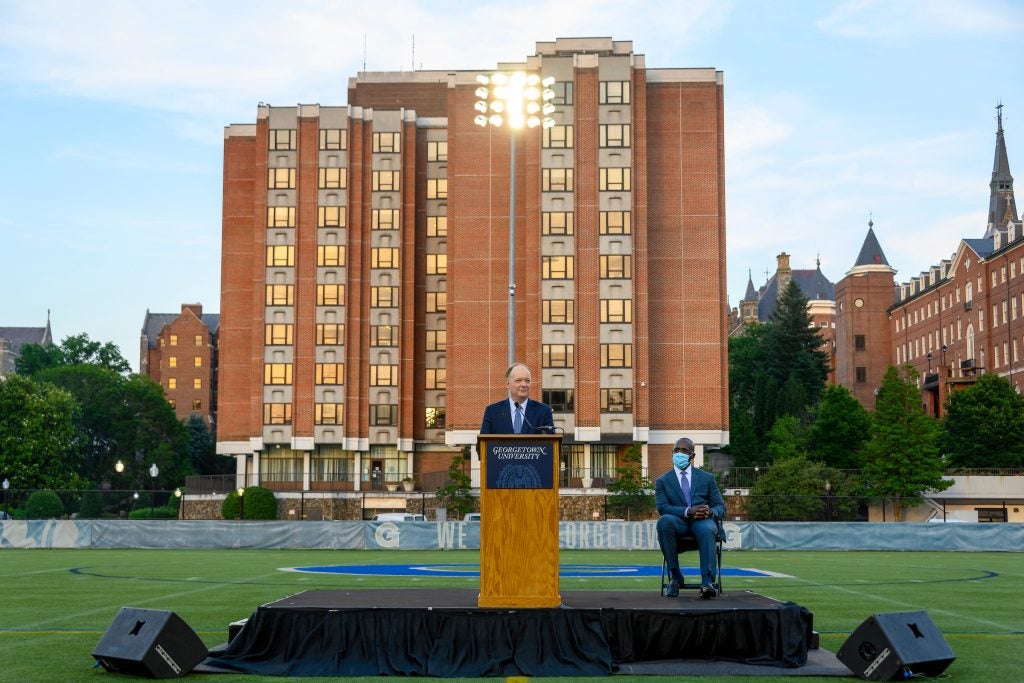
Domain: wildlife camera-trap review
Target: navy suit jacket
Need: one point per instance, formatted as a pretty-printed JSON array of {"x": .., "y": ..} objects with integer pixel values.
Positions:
[
  {"x": 668, "y": 495},
  {"x": 498, "y": 418}
]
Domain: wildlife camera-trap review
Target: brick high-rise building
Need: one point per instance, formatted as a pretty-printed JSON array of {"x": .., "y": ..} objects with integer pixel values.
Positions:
[
  {"x": 179, "y": 350},
  {"x": 365, "y": 271}
]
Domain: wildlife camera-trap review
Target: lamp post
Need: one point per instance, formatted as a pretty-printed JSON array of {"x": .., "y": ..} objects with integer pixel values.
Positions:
[
  {"x": 6, "y": 485},
  {"x": 828, "y": 500},
  {"x": 241, "y": 503},
  {"x": 514, "y": 99},
  {"x": 154, "y": 472},
  {"x": 177, "y": 494}
]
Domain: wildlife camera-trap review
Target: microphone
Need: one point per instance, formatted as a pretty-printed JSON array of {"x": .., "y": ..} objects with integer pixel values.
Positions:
[{"x": 548, "y": 429}]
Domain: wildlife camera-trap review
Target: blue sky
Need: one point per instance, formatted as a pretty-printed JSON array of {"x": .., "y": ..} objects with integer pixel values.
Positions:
[{"x": 113, "y": 115}]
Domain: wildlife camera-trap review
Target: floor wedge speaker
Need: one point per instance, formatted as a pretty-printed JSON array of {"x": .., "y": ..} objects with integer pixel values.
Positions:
[
  {"x": 894, "y": 646},
  {"x": 149, "y": 643}
]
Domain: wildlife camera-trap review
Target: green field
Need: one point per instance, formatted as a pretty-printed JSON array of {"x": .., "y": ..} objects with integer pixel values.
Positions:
[{"x": 56, "y": 604}]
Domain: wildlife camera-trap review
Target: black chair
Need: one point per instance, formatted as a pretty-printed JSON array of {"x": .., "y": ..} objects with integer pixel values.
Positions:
[{"x": 689, "y": 543}]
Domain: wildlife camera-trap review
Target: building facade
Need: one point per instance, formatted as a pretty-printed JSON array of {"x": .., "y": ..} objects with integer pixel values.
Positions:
[
  {"x": 365, "y": 271},
  {"x": 13, "y": 338},
  {"x": 179, "y": 351}
]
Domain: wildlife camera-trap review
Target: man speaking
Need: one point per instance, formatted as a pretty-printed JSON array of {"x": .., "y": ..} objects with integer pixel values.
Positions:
[{"x": 517, "y": 414}]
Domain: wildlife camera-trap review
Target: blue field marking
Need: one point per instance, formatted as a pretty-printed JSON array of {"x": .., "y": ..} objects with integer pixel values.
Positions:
[{"x": 472, "y": 571}]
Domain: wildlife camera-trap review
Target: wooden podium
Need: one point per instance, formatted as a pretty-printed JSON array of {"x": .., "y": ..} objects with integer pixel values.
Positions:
[{"x": 519, "y": 520}]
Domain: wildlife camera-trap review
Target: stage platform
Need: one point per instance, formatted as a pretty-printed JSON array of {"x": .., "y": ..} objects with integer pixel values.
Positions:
[{"x": 442, "y": 633}]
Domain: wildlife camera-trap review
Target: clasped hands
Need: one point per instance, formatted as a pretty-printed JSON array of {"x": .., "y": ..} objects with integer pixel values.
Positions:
[{"x": 700, "y": 512}]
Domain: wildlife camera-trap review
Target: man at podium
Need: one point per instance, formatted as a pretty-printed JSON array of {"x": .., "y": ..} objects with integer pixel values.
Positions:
[{"x": 517, "y": 414}]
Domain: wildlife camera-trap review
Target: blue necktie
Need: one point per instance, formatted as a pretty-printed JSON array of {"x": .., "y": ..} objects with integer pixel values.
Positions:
[
  {"x": 517, "y": 421},
  {"x": 684, "y": 483}
]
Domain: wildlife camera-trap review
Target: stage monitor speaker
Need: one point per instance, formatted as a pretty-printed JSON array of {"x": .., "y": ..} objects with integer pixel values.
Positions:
[
  {"x": 894, "y": 646},
  {"x": 150, "y": 643}
]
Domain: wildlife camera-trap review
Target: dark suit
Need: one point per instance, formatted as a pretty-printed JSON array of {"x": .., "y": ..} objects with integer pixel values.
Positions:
[
  {"x": 498, "y": 418},
  {"x": 673, "y": 523}
]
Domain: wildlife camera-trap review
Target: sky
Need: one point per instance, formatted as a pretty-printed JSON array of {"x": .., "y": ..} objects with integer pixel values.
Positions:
[{"x": 113, "y": 116}]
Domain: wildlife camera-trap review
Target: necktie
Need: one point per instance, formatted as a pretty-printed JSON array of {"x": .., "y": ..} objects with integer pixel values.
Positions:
[
  {"x": 517, "y": 421},
  {"x": 685, "y": 484}
]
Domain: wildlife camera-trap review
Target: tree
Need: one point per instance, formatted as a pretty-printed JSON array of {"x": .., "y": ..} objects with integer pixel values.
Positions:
[
  {"x": 794, "y": 489},
  {"x": 456, "y": 494},
  {"x": 902, "y": 455},
  {"x": 202, "y": 448},
  {"x": 37, "y": 435},
  {"x": 984, "y": 425},
  {"x": 74, "y": 350},
  {"x": 840, "y": 429},
  {"x": 795, "y": 348},
  {"x": 784, "y": 439},
  {"x": 631, "y": 496}
]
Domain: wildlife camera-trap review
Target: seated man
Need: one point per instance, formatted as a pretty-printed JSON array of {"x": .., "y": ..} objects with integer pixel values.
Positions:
[{"x": 689, "y": 503}]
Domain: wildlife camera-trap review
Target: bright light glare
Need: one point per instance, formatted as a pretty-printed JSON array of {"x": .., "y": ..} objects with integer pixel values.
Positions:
[{"x": 513, "y": 98}]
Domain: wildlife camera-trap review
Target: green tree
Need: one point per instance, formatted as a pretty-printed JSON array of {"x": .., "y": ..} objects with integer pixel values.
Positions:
[
  {"x": 457, "y": 494},
  {"x": 44, "y": 504},
  {"x": 631, "y": 494},
  {"x": 202, "y": 448},
  {"x": 840, "y": 429},
  {"x": 902, "y": 456},
  {"x": 37, "y": 435},
  {"x": 74, "y": 350},
  {"x": 984, "y": 425},
  {"x": 784, "y": 439},
  {"x": 794, "y": 489}
]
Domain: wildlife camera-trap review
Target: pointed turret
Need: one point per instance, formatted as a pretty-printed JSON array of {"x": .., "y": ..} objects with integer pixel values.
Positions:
[
  {"x": 1001, "y": 205},
  {"x": 748, "y": 306},
  {"x": 871, "y": 253}
]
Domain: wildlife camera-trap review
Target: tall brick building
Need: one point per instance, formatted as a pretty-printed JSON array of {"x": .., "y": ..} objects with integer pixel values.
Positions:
[
  {"x": 365, "y": 271},
  {"x": 179, "y": 350}
]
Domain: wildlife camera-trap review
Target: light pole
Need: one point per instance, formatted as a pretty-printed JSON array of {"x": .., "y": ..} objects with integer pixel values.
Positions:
[
  {"x": 514, "y": 99},
  {"x": 828, "y": 501},
  {"x": 154, "y": 472},
  {"x": 177, "y": 494},
  {"x": 6, "y": 485},
  {"x": 241, "y": 503}
]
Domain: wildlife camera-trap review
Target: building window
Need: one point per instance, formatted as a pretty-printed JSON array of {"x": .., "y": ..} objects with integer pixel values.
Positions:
[
  {"x": 435, "y": 418},
  {"x": 613, "y": 135},
  {"x": 280, "y": 295},
  {"x": 560, "y": 400},
  {"x": 437, "y": 226},
  {"x": 437, "y": 302},
  {"x": 282, "y": 139},
  {"x": 173, "y": 340},
  {"x": 384, "y": 181},
  {"x": 328, "y": 334},
  {"x": 386, "y": 143},
  {"x": 613, "y": 92},
  {"x": 557, "y": 223},
  {"x": 437, "y": 150},
  {"x": 277, "y": 413},
  {"x": 437, "y": 264},
  {"x": 615, "y": 266},
  {"x": 333, "y": 178},
  {"x": 616, "y": 310},
  {"x": 277, "y": 373},
  {"x": 333, "y": 138},
  {"x": 197, "y": 405},
  {"x": 383, "y": 375},
  {"x": 197, "y": 361},
  {"x": 616, "y": 400},
  {"x": 602, "y": 461},
  {"x": 557, "y": 137},
  {"x": 280, "y": 255},
  {"x": 614, "y": 179},
  {"x": 330, "y": 255},
  {"x": 859, "y": 343},
  {"x": 384, "y": 219},
  {"x": 330, "y": 373},
  {"x": 384, "y": 297},
  {"x": 557, "y": 355},
  {"x": 383, "y": 415},
  {"x": 172, "y": 362},
  {"x": 280, "y": 216},
  {"x": 563, "y": 92},
  {"x": 558, "y": 311},
  {"x": 556, "y": 180},
  {"x": 199, "y": 340},
  {"x": 280, "y": 178},
  {"x": 328, "y": 413},
  {"x": 330, "y": 295},
  {"x": 437, "y": 188},
  {"x": 383, "y": 335},
  {"x": 436, "y": 378},
  {"x": 197, "y": 383},
  {"x": 332, "y": 217},
  {"x": 862, "y": 375},
  {"x": 384, "y": 257},
  {"x": 172, "y": 383},
  {"x": 437, "y": 340},
  {"x": 278, "y": 334},
  {"x": 556, "y": 267},
  {"x": 615, "y": 223},
  {"x": 616, "y": 355}
]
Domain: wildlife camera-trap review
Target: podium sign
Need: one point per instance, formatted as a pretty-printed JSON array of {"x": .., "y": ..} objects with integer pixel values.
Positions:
[{"x": 519, "y": 520}]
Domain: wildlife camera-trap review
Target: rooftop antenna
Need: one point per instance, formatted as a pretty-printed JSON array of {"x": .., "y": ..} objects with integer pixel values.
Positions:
[
  {"x": 414, "y": 52},
  {"x": 364, "y": 52}
]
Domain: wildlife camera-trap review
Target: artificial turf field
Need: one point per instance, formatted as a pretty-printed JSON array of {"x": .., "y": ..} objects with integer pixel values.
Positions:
[{"x": 56, "y": 604}]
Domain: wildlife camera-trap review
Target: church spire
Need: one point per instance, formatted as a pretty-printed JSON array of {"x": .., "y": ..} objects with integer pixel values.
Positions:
[
  {"x": 1001, "y": 205},
  {"x": 871, "y": 256}
]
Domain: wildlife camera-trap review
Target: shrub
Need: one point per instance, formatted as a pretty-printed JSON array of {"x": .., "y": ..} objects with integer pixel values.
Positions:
[
  {"x": 92, "y": 505},
  {"x": 43, "y": 504},
  {"x": 153, "y": 513},
  {"x": 257, "y": 503}
]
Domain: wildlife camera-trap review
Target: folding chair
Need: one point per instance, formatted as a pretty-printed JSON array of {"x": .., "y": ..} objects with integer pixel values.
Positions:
[{"x": 689, "y": 543}]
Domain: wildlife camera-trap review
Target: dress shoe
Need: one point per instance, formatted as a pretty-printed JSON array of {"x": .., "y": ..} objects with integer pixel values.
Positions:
[
  {"x": 673, "y": 589},
  {"x": 707, "y": 592}
]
